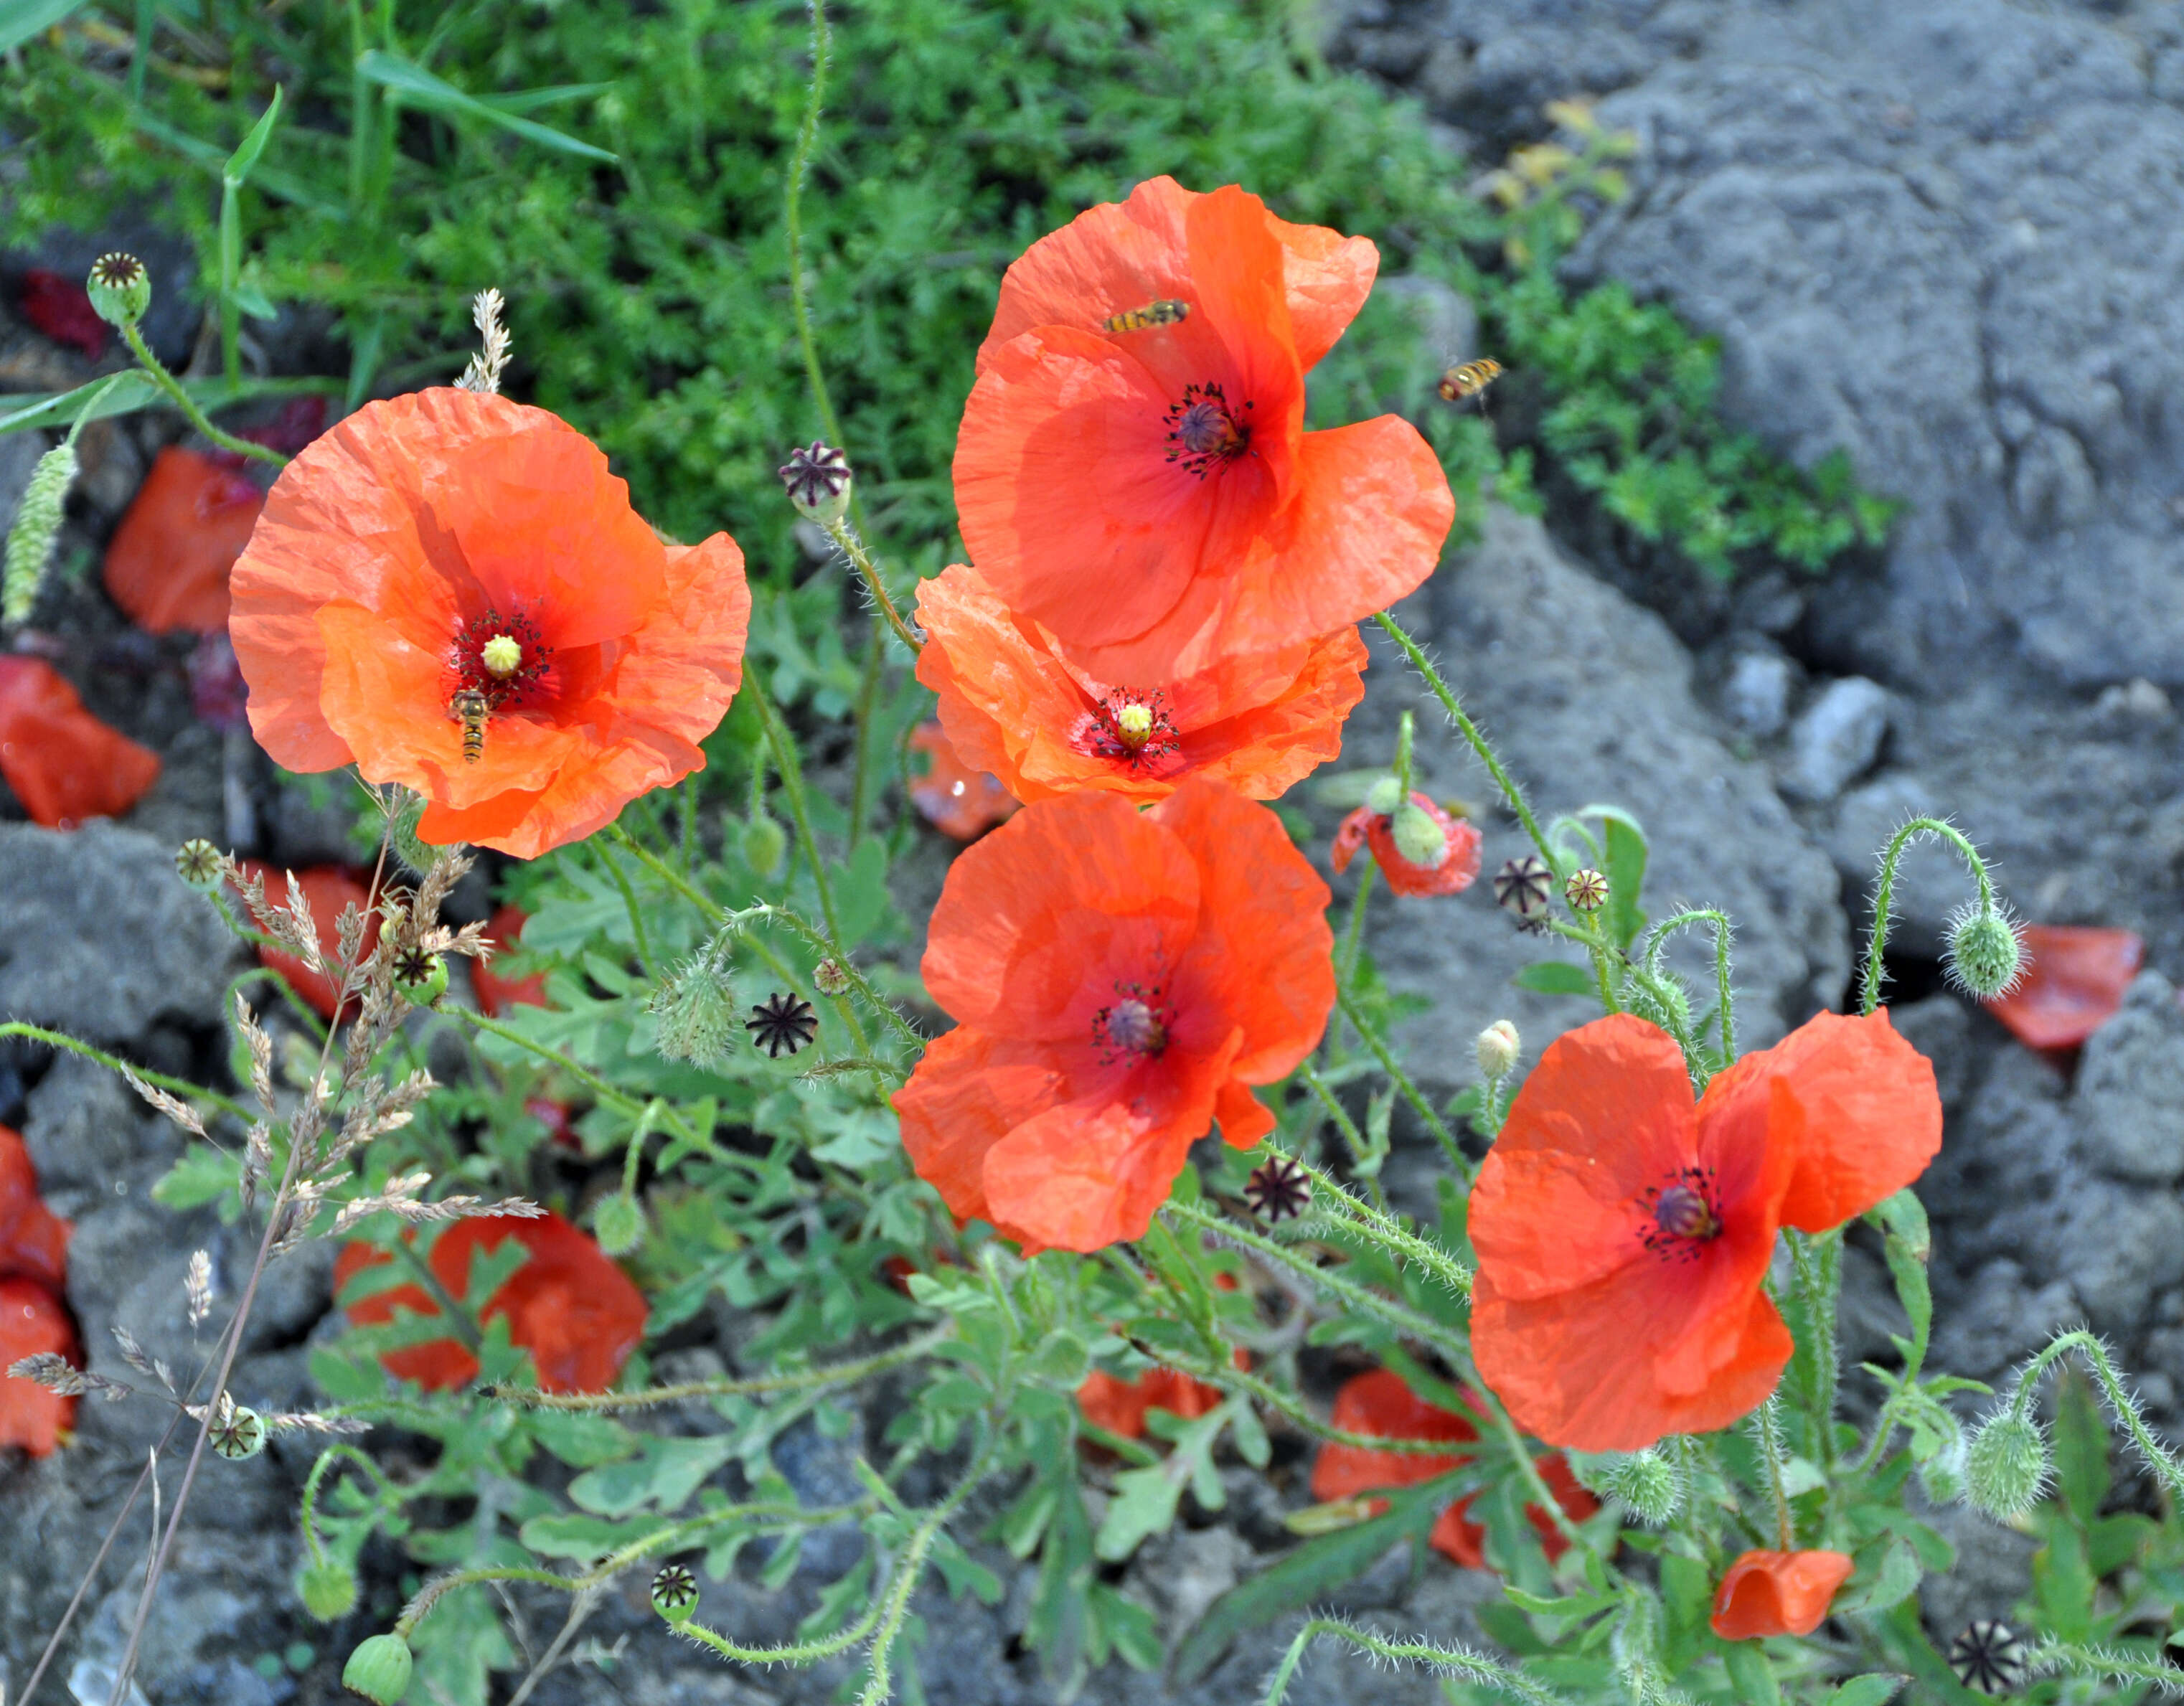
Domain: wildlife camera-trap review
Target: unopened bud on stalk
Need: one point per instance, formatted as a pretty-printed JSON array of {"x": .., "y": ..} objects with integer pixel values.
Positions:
[
  {"x": 401, "y": 835},
  {"x": 379, "y": 1670},
  {"x": 817, "y": 481},
  {"x": 2006, "y": 1469},
  {"x": 1669, "y": 1005},
  {"x": 618, "y": 1223},
  {"x": 1417, "y": 838},
  {"x": 1498, "y": 1047},
  {"x": 696, "y": 1009},
  {"x": 120, "y": 288},
  {"x": 1647, "y": 1484},
  {"x": 1943, "y": 1475},
  {"x": 1986, "y": 954},
  {"x": 422, "y": 977},
  {"x": 830, "y": 979},
  {"x": 37, "y": 525},
  {"x": 766, "y": 844},
  {"x": 328, "y": 1590}
]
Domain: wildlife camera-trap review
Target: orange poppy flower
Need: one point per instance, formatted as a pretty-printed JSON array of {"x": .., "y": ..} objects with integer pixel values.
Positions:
[
  {"x": 1122, "y": 982},
  {"x": 168, "y": 563},
  {"x": 1381, "y": 1402},
  {"x": 496, "y": 993},
  {"x": 1119, "y": 1406},
  {"x": 33, "y": 1238},
  {"x": 1149, "y": 492},
  {"x": 574, "y": 1310},
  {"x": 329, "y": 891},
  {"x": 1459, "y": 863},
  {"x": 32, "y": 1320},
  {"x": 1777, "y": 1593},
  {"x": 1623, "y": 1230},
  {"x": 956, "y": 798},
  {"x": 449, "y": 551},
  {"x": 63, "y": 762},
  {"x": 2073, "y": 984},
  {"x": 1015, "y": 703}
]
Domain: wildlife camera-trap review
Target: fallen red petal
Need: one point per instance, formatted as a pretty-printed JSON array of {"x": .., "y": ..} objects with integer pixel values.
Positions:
[
  {"x": 63, "y": 763},
  {"x": 2073, "y": 984}
]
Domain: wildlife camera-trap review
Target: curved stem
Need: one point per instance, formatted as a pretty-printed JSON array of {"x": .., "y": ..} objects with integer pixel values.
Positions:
[
  {"x": 851, "y": 546},
  {"x": 1390, "y": 1232},
  {"x": 328, "y": 1459},
  {"x": 1884, "y": 893},
  {"x": 180, "y": 398},
  {"x": 646, "y": 963},
  {"x": 2120, "y": 1403},
  {"x": 1723, "y": 931},
  {"x": 180, "y": 1086},
  {"x": 1402, "y": 1079}
]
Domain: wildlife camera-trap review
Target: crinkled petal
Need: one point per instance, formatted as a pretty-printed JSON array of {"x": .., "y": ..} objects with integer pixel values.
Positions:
[{"x": 968, "y": 1092}]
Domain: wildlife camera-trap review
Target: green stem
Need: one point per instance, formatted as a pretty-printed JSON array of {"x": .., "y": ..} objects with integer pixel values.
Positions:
[
  {"x": 180, "y": 398},
  {"x": 910, "y": 1568},
  {"x": 1390, "y": 1232},
  {"x": 851, "y": 546},
  {"x": 1767, "y": 1434},
  {"x": 646, "y": 963},
  {"x": 860, "y": 777},
  {"x": 1402, "y": 1079},
  {"x": 795, "y": 1380},
  {"x": 792, "y": 785},
  {"x": 452, "y": 1308},
  {"x": 807, "y": 136},
  {"x": 179, "y": 1086},
  {"x": 329, "y": 1459},
  {"x": 1455, "y": 1662},
  {"x": 1723, "y": 932},
  {"x": 1235, "y": 1379},
  {"x": 1360, "y": 1151},
  {"x": 1818, "y": 1262},
  {"x": 1884, "y": 894},
  {"x": 2120, "y": 1404},
  {"x": 1353, "y": 933}
]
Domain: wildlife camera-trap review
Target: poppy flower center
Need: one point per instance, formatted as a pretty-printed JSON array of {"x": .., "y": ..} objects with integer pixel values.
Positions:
[
  {"x": 1203, "y": 432},
  {"x": 1134, "y": 1027},
  {"x": 1132, "y": 728},
  {"x": 1683, "y": 1214},
  {"x": 499, "y": 658}
]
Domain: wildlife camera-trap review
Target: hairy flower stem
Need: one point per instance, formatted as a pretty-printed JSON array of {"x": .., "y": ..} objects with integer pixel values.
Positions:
[
  {"x": 1390, "y": 1233},
  {"x": 1361, "y": 1153},
  {"x": 1818, "y": 1260},
  {"x": 329, "y": 1460},
  {"x": 852, "y": 546},
  {"x": 180, "y": 1086},
  {"x": 792, "y": 785},
  {"x": 1240, "y": 1381},
  {"x": 1884, "y": 894},
  {"x": 796, "y": 1380},
  {"x": 1767, "y": 1434},
  {"x": 1353, "y": 933},
  {"x": 645, "y": 962},
  {"x": 157, "y": 371},
  {"x": 1459, "y": 1162},
  {"x": 1455, "y": 1662},
  {"x": 2121, "y": 1405},
  {"x": 1724, "y": 996}
]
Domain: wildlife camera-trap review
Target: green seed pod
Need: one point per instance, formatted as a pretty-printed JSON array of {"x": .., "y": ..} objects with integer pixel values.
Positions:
[
  {"x": 618, "y": 1223},
  {"x": 1586, "y": 889},
  {"x": 379, "y": 1670},
  {"x": 241, "y": 1436},
  {"x": 37, "y": 525},
  {"x": 199, "y": 863},
  {"x": 120, "y": 288},
  {"x": 422, "y": 977},
  {"x": 766, "y": 844},
  {"x": 2007, "y": 1467},
  {"x": 1647, "y": 1484},
  {"x": 1383, "y": 796},
  {"x": 1985, "y": 955},
  {"x": 328, "y": 1590},
  {"x": 817, "y": 480},
  {"x": 675, "y": 1593},
  {"x": 830, "y": 979},
  {"x": 1419, "y": 840}
]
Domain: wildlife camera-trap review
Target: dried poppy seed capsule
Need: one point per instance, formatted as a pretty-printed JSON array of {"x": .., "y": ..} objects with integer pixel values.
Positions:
[
  {"x": 119, "y": 288},
  {"x": 1988, "y": 1657},
  {"x": 1985, "y": 955},
  {"x": 1277, "y": 1190},
  {"x": 830, "y": 979},
  {"x": 817, "y": 480},
  {"x": 675, "y": 1593},
  {"x": 241, "y": 1435},
  {"x": 1586, "y": 891},
  {"x": 379, "y": 1670},
  {"x": 1524, "y": 886},
  {"x": 328, "y": 1590},
  {"x": 199, "y": 863},
  {"x": 1497, "y": 1049},
  {"x": 2007, "y": 1466}
]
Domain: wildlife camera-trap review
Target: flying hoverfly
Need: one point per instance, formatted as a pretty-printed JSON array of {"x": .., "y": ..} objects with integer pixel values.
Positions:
[
  {"x": 468, "y": 707},
  {"x": 1166, "y": 312},
  {"x": 1469, "y": 380}
]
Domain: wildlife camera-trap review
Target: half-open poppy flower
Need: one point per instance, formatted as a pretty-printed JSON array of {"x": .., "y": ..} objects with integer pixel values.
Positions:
[
  {"x": 1143, "y": 485},
  {"x": 496, "y": 993},
  {"x": 329, "y": 891},
  {"x": 1381, "y": 1402},
  {"x": 168, "y": 563},
  {"x": 32, "y": 1321},
  {"x": 450, "y": 591},
  {"x": 1623, "y": 1230},
  {"x": 33, "y": 1238},
  {"x": 1453, "y": 872},
  {"x": 2073, "y": 984},
  {"x": 1767, "y": 1593},
  {"x": 574, "y": 1310},
  {"x": 63, "y": 763},
  {"x": 1015, "y": 703},
  {"x": 1122, "y": 982},
  {"x": 957, "y": 799}
]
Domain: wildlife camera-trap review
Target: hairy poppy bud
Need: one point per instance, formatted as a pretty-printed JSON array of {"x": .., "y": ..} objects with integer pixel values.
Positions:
[
  {"x": 379, "y": 1670},
  {"x": 1985, "y": 955},
  {"x": 119, "y": 288},
  {"x": 199, "y": 863},
  {"x": 328, "y": 1590},
  {"x": 1497, "y": 1047},
  {"x": 2007, "y": 1466},
  {"x": 1381, "y": 797},
  {"x": 1417, "y": 838},
  {"x": 1586, "y": 891},
  {"x": 1647, "y": 1484},
  {"x": 675, "y": 1593},
  {"x": 618, "y": 1223},
  {"x": 401, "y": 836},
  {"x": 37, "y": 525},
  {"x": 766, "y": 844},
  {"x": 817, "y": 481},
  {"x": 696, "y": 1011},
  {"x": 830, "y": 979}
]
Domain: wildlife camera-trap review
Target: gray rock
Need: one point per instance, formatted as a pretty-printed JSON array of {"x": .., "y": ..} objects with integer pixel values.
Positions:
[
  {"x": 1837, "y": 736},
  {"x": 1940, "y": 1029},
  {"x": 2136, "y": 702},
  {"x": 1757, "y": 695},
  {"x": 1999, "y": 1319},
  {"x": 2117, "y": 1244},
  {"x": 99, "y": 938},
  {"x": 87, "y": 1130},
  {"x": 2131, "y": 1086},
  {"x": 1443, "y": 315},
  {"x": 1993, "y": 1571}
]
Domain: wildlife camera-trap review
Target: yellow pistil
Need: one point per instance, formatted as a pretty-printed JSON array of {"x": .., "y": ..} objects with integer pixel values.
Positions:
[
  {"x": 1134, "y": 724},
  {"x": 501, "y": 655}
]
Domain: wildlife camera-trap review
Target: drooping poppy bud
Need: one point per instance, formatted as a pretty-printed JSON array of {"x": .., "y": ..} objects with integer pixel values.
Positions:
[
  {"x": 2007, "y": 1466},
  {"x": 1986, "y": 954}
]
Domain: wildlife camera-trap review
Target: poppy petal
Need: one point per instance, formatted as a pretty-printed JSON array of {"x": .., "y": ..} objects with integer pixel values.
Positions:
[
  {"x": 1771, "y": 1593},
  {"x": 971, "y": 1090}
]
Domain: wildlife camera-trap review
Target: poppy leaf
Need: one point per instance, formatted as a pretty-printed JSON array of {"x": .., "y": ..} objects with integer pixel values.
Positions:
[
  {"x": 1916, "y": 1295},
  {"x": 237, "y": 171},
  {"x": 580, "y": 1441},
  {"x": 1555, "y": 977},
  {"x": 570, "y": 1534},
  {"x": 1750, "y": 1675},
  {"x": 664, "y": 1474},
  {"x": 1905, "y": 1215},
  {"x": 1626, "y": 876},
  {"x": 2081, "y": 1448},
  {"x": 201, "y": 1175},
  {"x": 1876, "y": 1690},
  {"x": 1888, "y": 1572},
  {"x": 1123, "y": 1626},
  {"x": 420, "y": 88}
]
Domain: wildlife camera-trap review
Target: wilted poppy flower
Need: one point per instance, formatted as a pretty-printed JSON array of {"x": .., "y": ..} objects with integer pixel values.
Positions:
[
  {"x": 1623, "y": 1230},
  {"x": 1119, "y": 1406},
  {"x": 956, "y": 798},
  {"x": 169, "y": 562},
  {"x": 60, "y": 307},
  {"x": 1121, "y": 982},
  {"x": 450, "y": 591},
  {"x": 33, "y": 1321},
  {"x": 33, "y": 1238},
  {"x": 1457, "y": 846},
  {"x": 329, "y": 891},
  {"x": 1381, "y": 1402},
  {"x": 2073, "y": 984},
  {"x": 1149, "y": 492},
  {"x": 1777, "y": 1593},
  {"x": 63, "y": 763},
  {"x": 496, "y": 993},
  {"x": 1014, "y": 703},
  {"x": 574, "y": 1310}
]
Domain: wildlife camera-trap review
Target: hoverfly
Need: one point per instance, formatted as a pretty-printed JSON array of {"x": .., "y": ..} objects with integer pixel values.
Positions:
[
  {"x": 468, "y": 707},
  {"x": 1166, "y": 312},
  {"x": 1470, "y": 379}
]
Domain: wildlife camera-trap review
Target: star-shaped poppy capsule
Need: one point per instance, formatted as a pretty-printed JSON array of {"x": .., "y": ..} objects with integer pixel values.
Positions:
[
  {"x": 1523, "y": 886},
  {"x": 1988, "y": 1657},
  {"x": 1277, "y": 1190},
  {"x": 782, "y": 1024}
]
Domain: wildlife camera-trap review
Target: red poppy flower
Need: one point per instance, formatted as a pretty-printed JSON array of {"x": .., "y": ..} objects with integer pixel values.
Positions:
[
  {"x": 167, "y": 564},
  {"x": 1121, "y": 981},
  {"x": 60, "y": 307},
  {"x": 575, "y": 1312},
  {"x": 33, "y": 1320},
  {"x": 1459, "y": 863},
  {"x": 1382, "y": 1403},
  {"x": 33, "y": 1238},
  {"x": 1150, "y": 495},
  {"x": 1777, "y": 1593},
  {"x": 2073, "y": 984},
  {"x": 1119, "y": 1406},
  {"x": 496, "y": 994},
  {"x": 1623, "y": 1230},
  {"x": 328, "y": 891},
  {"x": 450, "y": 591},
  {"x": 956, "y": 798},
  {"x": 1015, "y": 703},
  {"x": 63, "y": 762}
]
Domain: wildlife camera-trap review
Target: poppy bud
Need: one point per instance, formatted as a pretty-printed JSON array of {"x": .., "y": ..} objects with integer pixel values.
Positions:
[
  {"x": 1645, "y": 1483},
  {"x": 766, "y": 844},
  {"x": 1497, "y": 1047},
  {"x": 2007, "y": 1466},
  {"x": 199, "y": 863},
  {"x": 422, "y": 977},
  {"x": 38, "y": 524},
  {"x": 675, "y": 1593},
  {"x": 1586, "y": 891},
  {"x": 1942, "y": 1474},
  {"x": 1381, "y": 797},
  {"x": 379, "y": 1670},
  {"x": 618, "y": 1223},
  {"x": 696, "y": 1011},
  {"x": 1985, "y": 955},
  {"x": 817, "y": 481},
  {"x": 328, "y": 1590},
  {"x": 119, "y": 288},
  {"x": 830, "y": 979},
  {"x": 1417, "y": 838}
]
